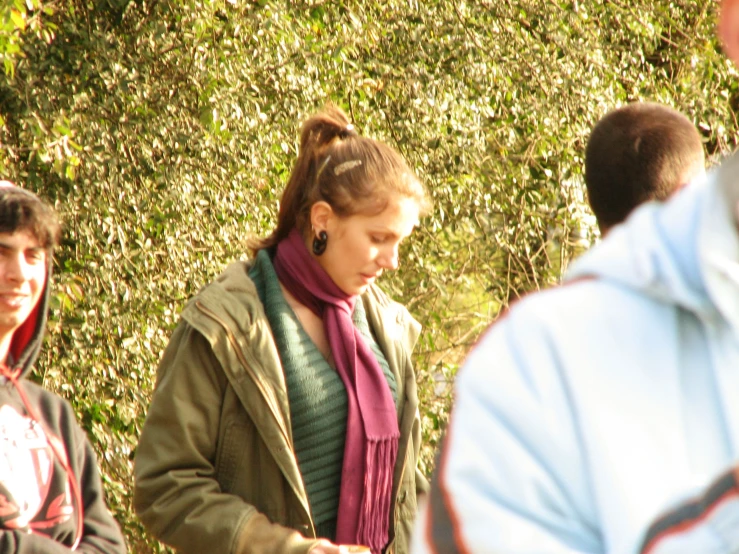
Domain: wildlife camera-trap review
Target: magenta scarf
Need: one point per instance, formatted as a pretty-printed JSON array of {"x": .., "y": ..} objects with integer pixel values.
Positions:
[{"x": 372, "y": 430}]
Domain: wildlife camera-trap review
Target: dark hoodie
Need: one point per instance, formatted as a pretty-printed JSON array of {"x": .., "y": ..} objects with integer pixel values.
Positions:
[{"x": 40, "y": 507}]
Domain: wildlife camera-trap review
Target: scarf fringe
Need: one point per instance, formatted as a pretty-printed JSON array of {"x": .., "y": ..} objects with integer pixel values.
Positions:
[{"x": 374, "y": 517}]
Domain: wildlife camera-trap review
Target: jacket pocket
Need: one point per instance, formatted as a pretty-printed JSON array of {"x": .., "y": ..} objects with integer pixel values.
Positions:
[
  {"x": 229, "y": 459},
  {"x": 405, "y": 508},
  {"x": 404, "y": 523}
]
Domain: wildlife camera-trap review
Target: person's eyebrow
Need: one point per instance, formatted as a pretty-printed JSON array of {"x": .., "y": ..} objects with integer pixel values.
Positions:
[
  {"x": 381, "y": 229},
  {"x": 384, "y": 231},
  {"x": 7, "y": 246}
]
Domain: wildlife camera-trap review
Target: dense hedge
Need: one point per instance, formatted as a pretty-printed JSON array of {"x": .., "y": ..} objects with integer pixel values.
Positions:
[{"x": 164, "y": 131}]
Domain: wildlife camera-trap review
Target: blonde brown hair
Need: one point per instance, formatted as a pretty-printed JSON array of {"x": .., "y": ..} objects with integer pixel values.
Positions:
[{"x": 353, "y": 174}]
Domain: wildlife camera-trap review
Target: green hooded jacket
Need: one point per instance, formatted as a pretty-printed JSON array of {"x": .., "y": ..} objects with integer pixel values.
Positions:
[{"x": 215, "y": 468}]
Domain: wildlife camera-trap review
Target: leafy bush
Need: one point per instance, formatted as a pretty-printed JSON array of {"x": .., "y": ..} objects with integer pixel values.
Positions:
[{"x": 164, "y": 131}]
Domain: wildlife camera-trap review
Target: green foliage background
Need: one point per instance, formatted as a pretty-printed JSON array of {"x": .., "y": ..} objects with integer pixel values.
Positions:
[{"x": 164, "y": 130}]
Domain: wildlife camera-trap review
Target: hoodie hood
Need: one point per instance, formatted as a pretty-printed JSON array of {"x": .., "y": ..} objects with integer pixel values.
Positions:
[
  {"x": 28, "y": 338},
  {"x": 684, "y": 251}
]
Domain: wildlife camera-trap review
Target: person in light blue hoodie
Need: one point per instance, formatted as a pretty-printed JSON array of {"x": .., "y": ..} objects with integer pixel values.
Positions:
[{"x": 589, "y": 410}]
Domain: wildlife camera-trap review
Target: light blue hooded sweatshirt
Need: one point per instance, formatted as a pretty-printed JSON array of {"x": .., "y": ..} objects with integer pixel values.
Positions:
[{"x": 591, "y": 408}]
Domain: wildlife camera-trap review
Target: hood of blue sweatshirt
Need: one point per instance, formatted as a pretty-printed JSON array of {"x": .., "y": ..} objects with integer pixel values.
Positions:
[{"x": 683, "y": 252}]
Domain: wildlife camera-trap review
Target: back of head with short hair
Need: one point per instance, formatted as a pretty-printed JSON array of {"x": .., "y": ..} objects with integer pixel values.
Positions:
[
  {"x": 640, "y": 152},
  {"x": 21, "y": 210}
]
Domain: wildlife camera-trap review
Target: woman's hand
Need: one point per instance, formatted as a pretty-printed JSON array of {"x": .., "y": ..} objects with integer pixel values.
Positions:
[{"x": 325, "y": 547}]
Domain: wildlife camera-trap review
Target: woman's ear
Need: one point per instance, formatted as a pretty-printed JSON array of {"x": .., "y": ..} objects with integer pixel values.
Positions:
[{"x": 321, "y": 215}]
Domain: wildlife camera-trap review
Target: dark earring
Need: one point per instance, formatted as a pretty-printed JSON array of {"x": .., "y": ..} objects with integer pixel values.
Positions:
[{"x": 319, "y": 243}]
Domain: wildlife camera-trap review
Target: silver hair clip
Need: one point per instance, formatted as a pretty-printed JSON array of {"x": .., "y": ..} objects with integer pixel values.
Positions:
[{"x": 346, "y": 166}]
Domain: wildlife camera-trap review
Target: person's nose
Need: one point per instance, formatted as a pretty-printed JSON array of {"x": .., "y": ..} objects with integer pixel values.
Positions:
[
  {"x": 389, "y": 258},
  {"x": 17, "y": 268}
]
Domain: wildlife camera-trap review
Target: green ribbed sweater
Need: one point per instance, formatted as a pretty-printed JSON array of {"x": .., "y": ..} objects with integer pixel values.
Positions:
[{"x": 317, "y": 396}]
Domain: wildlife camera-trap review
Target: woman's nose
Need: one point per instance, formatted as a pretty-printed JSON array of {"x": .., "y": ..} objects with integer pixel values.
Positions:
[{"x": 389, "y": 259}]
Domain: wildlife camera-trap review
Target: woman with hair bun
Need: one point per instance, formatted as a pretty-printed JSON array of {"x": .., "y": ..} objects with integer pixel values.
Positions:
[{"x": 285, "y": 415}]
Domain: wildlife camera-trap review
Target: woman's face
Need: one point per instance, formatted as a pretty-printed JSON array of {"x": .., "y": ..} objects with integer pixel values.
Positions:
[{"x": 360, "y": 247}]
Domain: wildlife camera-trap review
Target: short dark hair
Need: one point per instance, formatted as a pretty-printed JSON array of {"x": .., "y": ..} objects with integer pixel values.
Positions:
[
  {"x": 637, "y": 153},
  {"x": 21, "y": 210}
]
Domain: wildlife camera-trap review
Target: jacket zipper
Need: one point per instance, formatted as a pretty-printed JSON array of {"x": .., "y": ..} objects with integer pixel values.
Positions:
[
  {"x": 252, "y": 373},
  {"x": 247, "y": 366}
]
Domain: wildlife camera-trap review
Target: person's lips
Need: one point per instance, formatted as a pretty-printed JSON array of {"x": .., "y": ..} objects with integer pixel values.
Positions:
[
  {"x": 13, "y": 300},
  {"x": 369, "y": 277}
]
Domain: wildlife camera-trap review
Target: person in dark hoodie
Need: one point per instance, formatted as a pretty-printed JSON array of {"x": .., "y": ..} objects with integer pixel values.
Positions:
[{"x": 51, "y": 496}]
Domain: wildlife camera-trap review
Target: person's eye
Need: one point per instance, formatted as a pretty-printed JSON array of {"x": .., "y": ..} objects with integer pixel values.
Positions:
[
  {"x": 35, "y": 256},
  {"x": 377, "y": 239}
]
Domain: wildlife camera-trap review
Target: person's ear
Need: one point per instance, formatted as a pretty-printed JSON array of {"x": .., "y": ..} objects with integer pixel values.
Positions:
[
  {"x": 321, "y": 215},
  {"x": 728, "y": 29}
]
